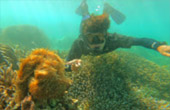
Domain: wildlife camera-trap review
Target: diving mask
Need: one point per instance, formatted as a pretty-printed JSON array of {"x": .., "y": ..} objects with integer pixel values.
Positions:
[{"x": 95, "y": 38}]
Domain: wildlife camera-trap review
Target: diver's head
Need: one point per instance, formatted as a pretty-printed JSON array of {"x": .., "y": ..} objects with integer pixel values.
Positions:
[
  {"x": 94, "y": 30},
  {"x": 95, "y": 41}
]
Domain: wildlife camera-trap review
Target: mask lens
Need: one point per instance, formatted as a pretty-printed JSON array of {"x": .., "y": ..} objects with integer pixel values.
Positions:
[
  {"x": 96, "y": 38},
  {"x": 90, "y": 39}
]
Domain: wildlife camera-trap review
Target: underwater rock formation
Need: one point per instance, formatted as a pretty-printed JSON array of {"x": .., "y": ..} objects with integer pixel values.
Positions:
[
  {"x": 26, "y": 36},
  {"x": 8, "y": 56},
  {"x": 120, "y": 81},
  {"x": 41, "y": 75}
]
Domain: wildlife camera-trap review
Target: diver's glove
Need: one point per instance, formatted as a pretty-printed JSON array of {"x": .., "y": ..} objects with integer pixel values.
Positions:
[
  {"x": 164, "y": 50},
  {"x": 73, "y": 65}
]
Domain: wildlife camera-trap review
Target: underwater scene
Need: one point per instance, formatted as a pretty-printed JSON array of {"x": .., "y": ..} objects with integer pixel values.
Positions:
[{"x": 84, "y": 54}]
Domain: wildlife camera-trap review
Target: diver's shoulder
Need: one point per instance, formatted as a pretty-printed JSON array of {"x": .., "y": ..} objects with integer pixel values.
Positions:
[
  {"x": 115, "y": 36},
  {"x": 79, "y": 41},
  {"x": 112, "y": 35}
]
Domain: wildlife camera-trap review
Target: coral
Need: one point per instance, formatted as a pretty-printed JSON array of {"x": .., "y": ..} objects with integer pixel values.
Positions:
[
  {"x": 42, "y": 75},
  {"x": 7, "y": 89},
  {"x": 120, "y": 81},
  {"x": 8, "y": 56},
  {"x": 26, "y": 36},
  {"x": 20, "y": 52}
]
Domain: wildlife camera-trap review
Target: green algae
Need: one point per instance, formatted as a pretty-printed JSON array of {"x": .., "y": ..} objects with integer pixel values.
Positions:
[{"x": 121, "y": 81}]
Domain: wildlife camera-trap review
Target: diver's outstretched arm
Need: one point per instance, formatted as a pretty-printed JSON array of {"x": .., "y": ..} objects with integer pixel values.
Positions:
[{"x": 82, "y": 10}]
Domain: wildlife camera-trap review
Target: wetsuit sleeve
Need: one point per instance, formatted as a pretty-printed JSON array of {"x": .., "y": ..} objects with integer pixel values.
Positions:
[
  {"x": 75, "y": 52},
  {"x": 127, "y": 42},
  {"x": 148, "y": 43}
]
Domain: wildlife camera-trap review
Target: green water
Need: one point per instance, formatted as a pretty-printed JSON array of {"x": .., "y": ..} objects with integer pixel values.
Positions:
[
  {"x": 119, "y": 80},
  {"x": 57, "y": 18}
]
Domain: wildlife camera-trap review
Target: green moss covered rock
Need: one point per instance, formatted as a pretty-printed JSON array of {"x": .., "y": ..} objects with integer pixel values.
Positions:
[{"x": 121, "y": 81}]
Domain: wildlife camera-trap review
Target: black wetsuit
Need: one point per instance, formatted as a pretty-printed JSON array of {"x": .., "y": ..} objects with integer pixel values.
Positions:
[{"x": 113, "y": 41}]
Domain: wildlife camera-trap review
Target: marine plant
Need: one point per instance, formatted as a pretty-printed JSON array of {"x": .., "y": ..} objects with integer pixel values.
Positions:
[
  {"x": 8, "y": 56},
  {"x": 120, "y": 81},
  {"x": 42, "y": 75},
  {"x": 7, "y": 89},
  {"x": 21, "y": 52}
]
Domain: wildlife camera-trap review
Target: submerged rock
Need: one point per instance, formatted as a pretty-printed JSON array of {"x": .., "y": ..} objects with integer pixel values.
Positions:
[
  {"x": 120, "y": 81},
  {"x": 26, "y": 36}
]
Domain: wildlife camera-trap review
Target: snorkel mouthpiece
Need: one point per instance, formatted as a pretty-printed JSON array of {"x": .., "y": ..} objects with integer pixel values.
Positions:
[{"x": 96, "y": 40}]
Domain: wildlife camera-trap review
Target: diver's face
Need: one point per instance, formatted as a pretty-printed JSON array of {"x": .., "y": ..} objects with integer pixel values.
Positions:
[
  {"x": 96, "y": 41},
  {"x": 97, "y": 46}
]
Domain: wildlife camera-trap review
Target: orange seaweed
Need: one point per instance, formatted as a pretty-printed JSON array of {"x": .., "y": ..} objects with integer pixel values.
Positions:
[{"x": 41, "y": 75}]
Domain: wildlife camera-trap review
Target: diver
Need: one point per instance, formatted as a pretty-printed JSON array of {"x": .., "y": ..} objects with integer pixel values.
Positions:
[{"x": 94, "y": 38}]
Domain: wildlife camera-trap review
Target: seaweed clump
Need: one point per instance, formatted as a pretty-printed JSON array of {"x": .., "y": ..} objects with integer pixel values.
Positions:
[
  {"x": 41, "y": 75},
  {"x": 26, "y": 36},
  {"x": 121, "y": 81}
]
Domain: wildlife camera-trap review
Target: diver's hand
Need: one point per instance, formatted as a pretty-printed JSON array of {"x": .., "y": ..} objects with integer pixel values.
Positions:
[
  {"x": 164, "y": 50},
  {"x": 75, "y": 64}
]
